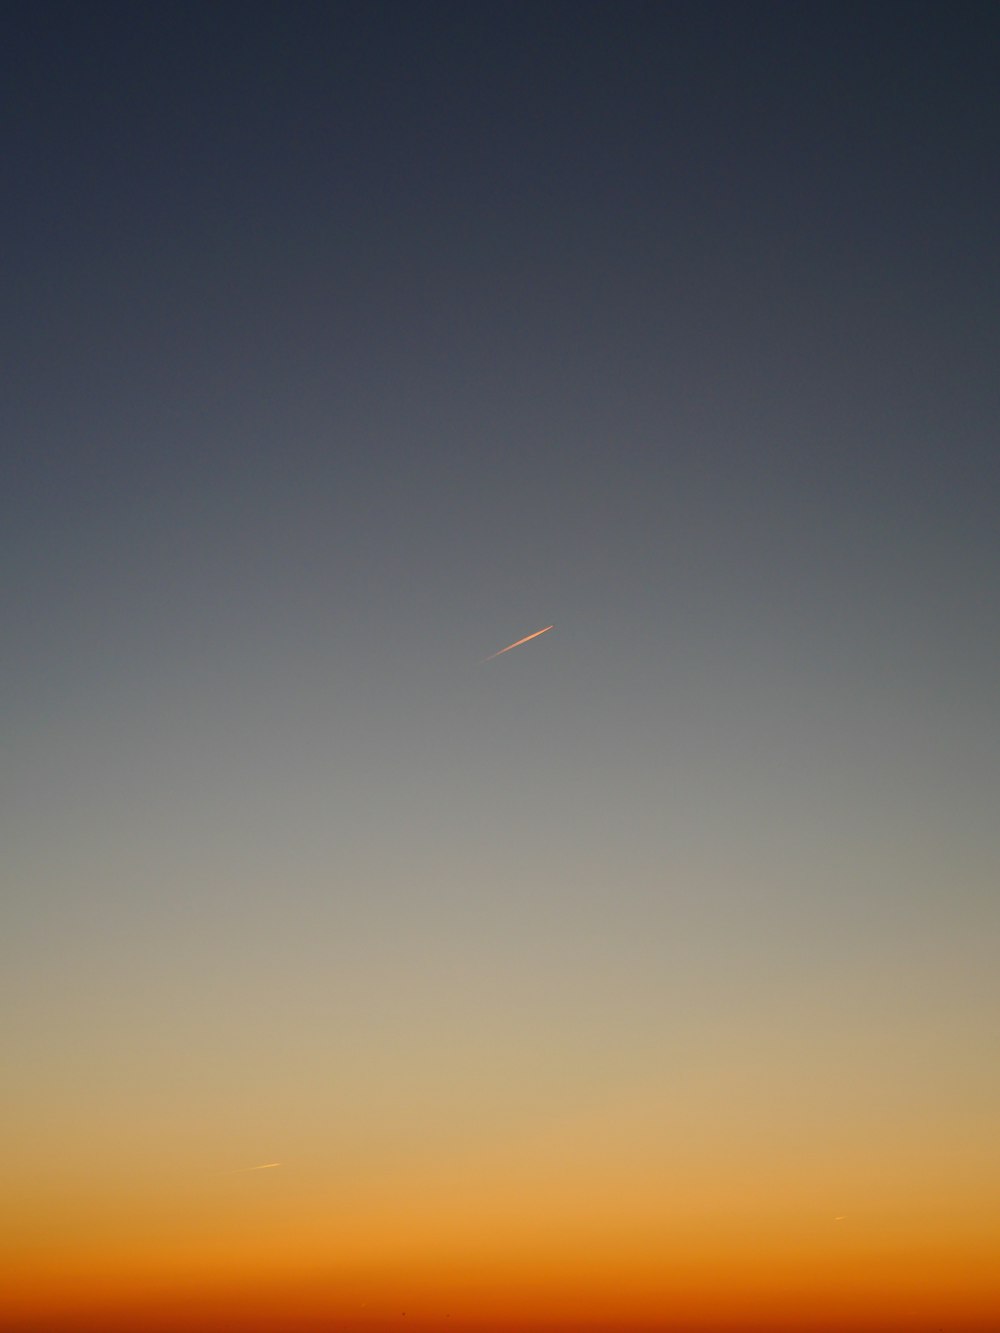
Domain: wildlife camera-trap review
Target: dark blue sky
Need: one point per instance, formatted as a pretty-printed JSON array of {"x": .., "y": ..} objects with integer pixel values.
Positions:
[
  {"x": 357, "y": 340},
  {"x": 700, "y": 298}
]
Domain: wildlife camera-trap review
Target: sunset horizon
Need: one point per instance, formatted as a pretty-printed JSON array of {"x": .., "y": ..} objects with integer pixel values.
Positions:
[{"x": 499, "y": 559}]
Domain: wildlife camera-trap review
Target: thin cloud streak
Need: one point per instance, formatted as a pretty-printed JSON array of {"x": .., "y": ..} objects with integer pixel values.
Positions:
[{"x": 526, "y": 639}]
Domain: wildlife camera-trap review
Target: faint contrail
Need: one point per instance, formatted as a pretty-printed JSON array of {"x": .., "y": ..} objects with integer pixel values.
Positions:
[
  {"x": 526, "y": 639},
  {"x": 242, "y": 1171}
]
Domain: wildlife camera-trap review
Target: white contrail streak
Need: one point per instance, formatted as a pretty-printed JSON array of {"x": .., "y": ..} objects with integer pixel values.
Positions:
[{"x": 526, "y": 639}]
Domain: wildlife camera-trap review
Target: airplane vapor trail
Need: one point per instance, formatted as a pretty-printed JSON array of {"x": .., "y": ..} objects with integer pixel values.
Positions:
[
  {"x": 242, "y": 1170},
  {"x": 526, "y": 639}
]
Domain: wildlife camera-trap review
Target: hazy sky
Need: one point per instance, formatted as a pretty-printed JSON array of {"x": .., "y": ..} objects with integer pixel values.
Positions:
[{"x": 644, "y": 976}]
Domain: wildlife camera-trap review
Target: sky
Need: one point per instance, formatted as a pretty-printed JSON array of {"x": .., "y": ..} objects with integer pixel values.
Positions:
[{"x": 642, "y": 978}]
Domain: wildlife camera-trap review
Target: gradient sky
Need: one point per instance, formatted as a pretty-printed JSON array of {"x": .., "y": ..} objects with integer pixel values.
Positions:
[{"x": 644, "y": 977}]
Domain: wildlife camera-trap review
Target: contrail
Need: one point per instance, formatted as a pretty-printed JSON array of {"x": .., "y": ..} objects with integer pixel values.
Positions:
[
  {"x": 242, "y": 1170},
  {"x": 527, "y": 639}
]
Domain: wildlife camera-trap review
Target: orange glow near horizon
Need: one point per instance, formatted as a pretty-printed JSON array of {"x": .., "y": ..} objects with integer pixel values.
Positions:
[
  {"x": 534, "y": 1236},
  {"x": 878, "y": 1291},
  {"x": 476, "y": 1169}
]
